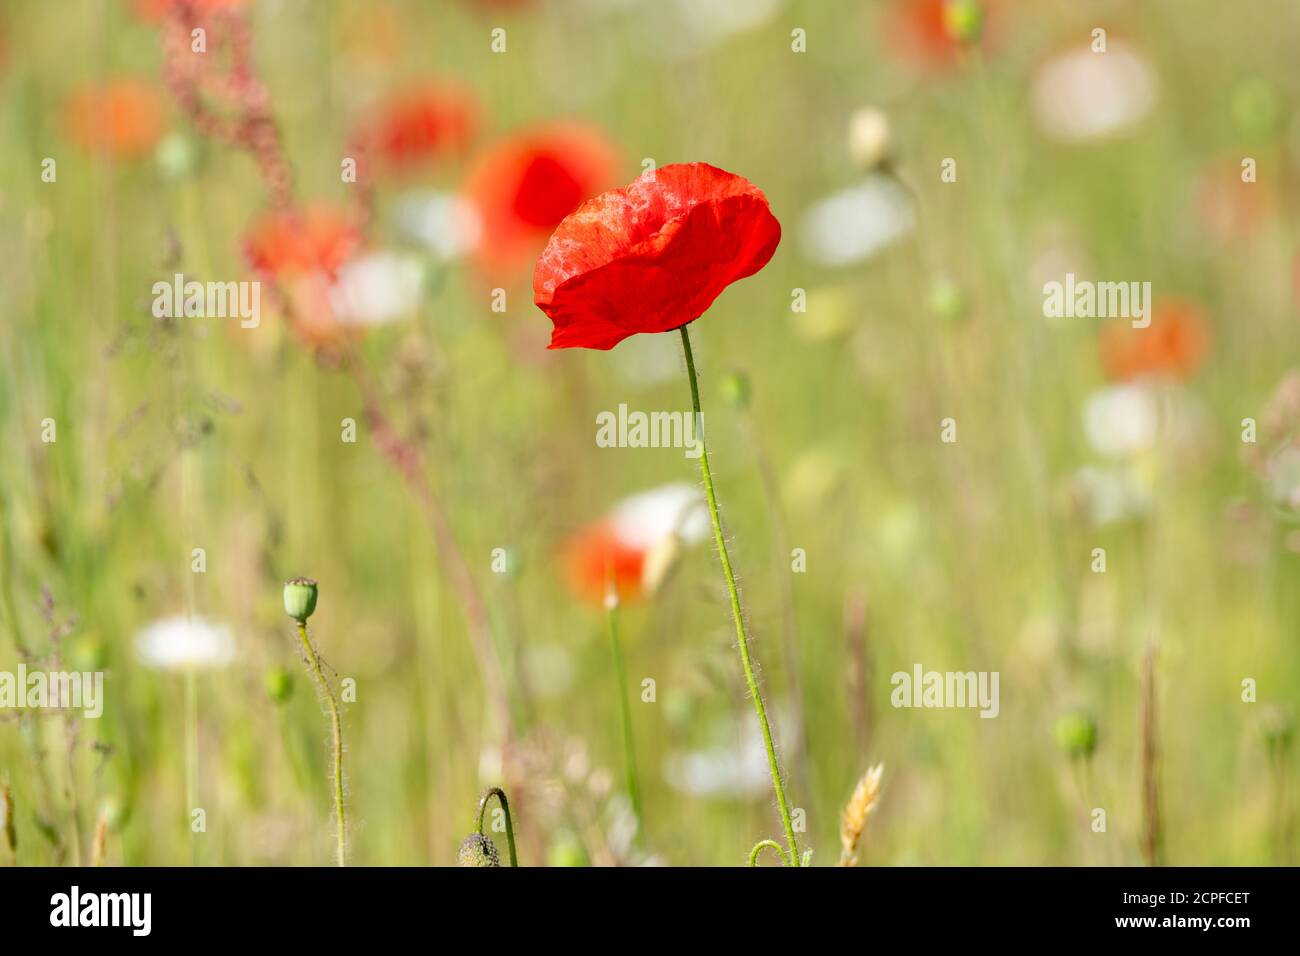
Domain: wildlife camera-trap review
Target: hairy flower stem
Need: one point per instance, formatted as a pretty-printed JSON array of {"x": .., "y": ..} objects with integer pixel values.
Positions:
[
  {"x": 762, "y": 845},
  {"x": 336, "y": 725},
  {"x": 505, "y": 808},
  {"x": 625, "y": 710},
  {"x": 738, "y": 615}
]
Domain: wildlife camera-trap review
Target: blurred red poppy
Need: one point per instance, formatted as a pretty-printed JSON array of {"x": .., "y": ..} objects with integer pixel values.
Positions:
[
  {"x": 932, "y": 33},
  {"x": 1173, "y": 346},
  {"x": 418, "y": 125},
  {"x": 595, "y": 557},
  {"x": 289, "y": 242},
  {"x": 123, "y": 117},
  {"x": 524, "y": 186},
  {"x": 1229, "y": 208},
  {"x": 652, "y": 256}
]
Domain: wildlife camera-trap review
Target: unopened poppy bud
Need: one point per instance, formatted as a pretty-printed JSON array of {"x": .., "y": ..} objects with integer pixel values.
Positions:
[
  {"x": 300, "y": 598},
  {"x": 963, "y": 20},
  {"x": 478, "y": 850},
  {"x": 735, "y": 390},
  {"x": 279, "y": 684},
  {"x": 1076, "y": 733}
]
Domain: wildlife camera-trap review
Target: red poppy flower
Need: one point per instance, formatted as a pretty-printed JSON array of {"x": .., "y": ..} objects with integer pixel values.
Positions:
[
  {"x": 652, "y": 256},
  {"x": 635, "y": 545},
  {"x": 294, "y": 242},
  {"x": 1173, "y": 346},
  {"x": 418, "y": 125},
  {"x": 523, "y": 187},
  {"x": 124, "y": 117}
]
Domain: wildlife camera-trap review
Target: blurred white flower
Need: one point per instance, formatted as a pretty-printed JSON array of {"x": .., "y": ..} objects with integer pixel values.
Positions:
[
  {"x": 644, "y": 520},
  {"x": 445, "y": 224},
  {"x": 1283, "y": 473},
  {"x": 1121, "y": 419},
  {"x": 1080, "y": 95},
  {"x": 185, "y": 643},
  {"x": 858, "y": 222},
  {"x": 736, "y": 771},
  {"x": 1111, "y": 494},
  {"x": 377, "y": 288}
]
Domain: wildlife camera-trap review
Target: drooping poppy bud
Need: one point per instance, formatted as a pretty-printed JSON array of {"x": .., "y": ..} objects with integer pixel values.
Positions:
[{"x": 478, "y": 850}]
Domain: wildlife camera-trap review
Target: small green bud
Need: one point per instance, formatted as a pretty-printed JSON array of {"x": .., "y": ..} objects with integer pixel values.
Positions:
[
  {"x": 90, "y": 654},
  {"x": 736, "y": 391},
  {"x": 279, "y": 685},
  {"x": 1076, "y": 733},
  {"x": 478, "y": 850},
  {"x": 947, "y": 300},
  {"x": 1255, "y": 107},
  {"x": 115, "y": 812},
  {"x": 963, "y": 20},
  {"x": 300, "y": 598},
  {"x": 176, "y": 156}
]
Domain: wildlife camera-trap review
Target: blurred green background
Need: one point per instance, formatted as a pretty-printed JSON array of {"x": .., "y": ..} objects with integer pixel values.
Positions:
[{"x": 971, "y": 555}]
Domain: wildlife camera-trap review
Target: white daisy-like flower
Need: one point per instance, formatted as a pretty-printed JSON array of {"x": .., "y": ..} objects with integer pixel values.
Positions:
[
  {"x": 1080, "y": 95},
  {"x": 1121, "y": 419},
  {"x": 183, "y": 643},
  {"x": 377, "y": 288}
]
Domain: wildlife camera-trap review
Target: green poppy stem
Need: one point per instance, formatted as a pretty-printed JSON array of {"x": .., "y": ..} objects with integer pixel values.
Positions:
[
  {"x": 505, "y": 807},
  {"x": 336, "y": 726},
  {"x": 738, "y": 615}
]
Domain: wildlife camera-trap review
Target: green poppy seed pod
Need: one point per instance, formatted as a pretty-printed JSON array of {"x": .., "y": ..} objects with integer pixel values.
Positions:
[
  {"x": 300, "y": 598},
  {"x": 1076, "y": 733},
  {"x": 963, "y": 20},
  {"x": 478, "y": 850},
  {"x": 279, "y": 684},
  {"x": 735, "y": 390}
]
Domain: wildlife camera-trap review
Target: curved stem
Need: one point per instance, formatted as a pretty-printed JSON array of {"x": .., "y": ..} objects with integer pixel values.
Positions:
[
  {"x": 336, "y": 726},
  {"x": 510, "y": 826},
  {"x": 742, "y": 639},
  {"x": 762, "y": 845}
]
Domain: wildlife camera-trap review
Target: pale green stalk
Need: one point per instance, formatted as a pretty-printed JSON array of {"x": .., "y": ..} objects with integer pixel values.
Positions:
[
  {"x": 742, "y": 639},
  {"x": 336, "y": 726}
]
